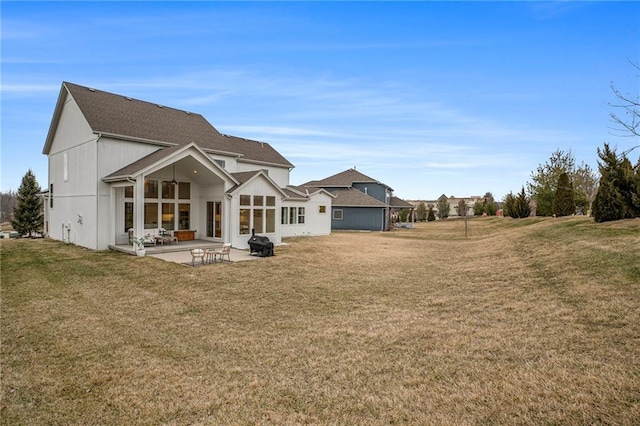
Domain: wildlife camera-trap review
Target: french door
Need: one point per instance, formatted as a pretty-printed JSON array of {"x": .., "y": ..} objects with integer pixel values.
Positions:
[{"x": 214, "y": 219}]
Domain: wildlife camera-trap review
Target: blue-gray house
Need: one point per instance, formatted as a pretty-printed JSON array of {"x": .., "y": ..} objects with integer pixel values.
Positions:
[{"x": 360, "y": 203}]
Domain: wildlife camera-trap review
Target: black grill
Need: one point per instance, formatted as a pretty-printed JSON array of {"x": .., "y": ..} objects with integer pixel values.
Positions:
[{"x": 260, "y": 246}]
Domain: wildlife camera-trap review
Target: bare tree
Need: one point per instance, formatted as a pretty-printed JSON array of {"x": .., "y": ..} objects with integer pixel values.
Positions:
[{"x": 626, "y": 114}]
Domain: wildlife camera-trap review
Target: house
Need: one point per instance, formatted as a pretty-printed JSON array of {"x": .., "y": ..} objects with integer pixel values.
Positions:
[
  {"x": 360, "y": 203},
  {"x": 118, "y": 163},
  {"x": 453, "y": 203}
]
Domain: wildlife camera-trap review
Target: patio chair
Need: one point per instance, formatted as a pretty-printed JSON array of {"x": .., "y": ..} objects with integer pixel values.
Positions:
[
  {"x": 197, "y": 253},
  {"x": 224, "y": 251}
]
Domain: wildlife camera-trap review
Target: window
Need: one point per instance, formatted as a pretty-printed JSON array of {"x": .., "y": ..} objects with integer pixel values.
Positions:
[
  {"x": 51, "y": 196},
  {"x": 337, "y": 214},
  {"x": 271, "y": 220},
  {"x": 168, "y": 190},
  {"x": 322, "y": 209},
  {"x": 128, "y": 216},
  {"x": 220, "y": 163},
  {"x": 150, "y": 215},
  {"x": 300, "y": 215},
  {"x": 292, "y": 216},
  {"x": 184, "y": 216},
  {"x": 128, "y": 192},
  {"x": 258, "y": 222},
  {"x": 168, "y": 216},
  {"x": 244, "y": 221},
  {"x": 184, "y": 190},
  {"x": 284, "y": 216},
  {"x": 258, "y": 215},
  {"x": 150, "y": 188}
]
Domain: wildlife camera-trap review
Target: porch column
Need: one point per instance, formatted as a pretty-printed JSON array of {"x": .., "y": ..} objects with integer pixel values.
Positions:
[{"x": 138, "y": 207}]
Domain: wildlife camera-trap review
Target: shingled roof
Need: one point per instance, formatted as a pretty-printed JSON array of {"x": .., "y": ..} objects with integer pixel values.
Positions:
[
  {"x": 352, "y": 197},
  {"x": 344, "y": 179},
  {"x": 124, "y": 117}
]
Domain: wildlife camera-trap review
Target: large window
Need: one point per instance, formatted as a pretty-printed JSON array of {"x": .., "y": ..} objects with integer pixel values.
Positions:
[
  {"x": 161, "y": 207},
  {"x": 150, "y": 188},
  {"x": 245, "y": 223},
  {"x": 258, "y": 213},
  {"x": 184, "y": 190},
  {"x": 184, "y": 212},
  {"x": 168, "y": 216},
  {"x": 150, "y": 215}
]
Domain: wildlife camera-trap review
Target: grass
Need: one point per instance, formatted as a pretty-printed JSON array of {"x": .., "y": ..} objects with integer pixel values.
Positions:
[{"x": 530, "y": 321}]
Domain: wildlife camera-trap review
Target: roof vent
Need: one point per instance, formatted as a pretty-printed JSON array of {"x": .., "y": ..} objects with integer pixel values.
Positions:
[
  {"x": 91, "y": 89},
  {"x": 187, "y": 112},
  {"x": 129, "y": 99},
  {"x": 160, "y": 106}
]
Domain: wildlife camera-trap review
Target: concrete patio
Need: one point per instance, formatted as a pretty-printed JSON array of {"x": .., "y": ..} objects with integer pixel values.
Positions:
[{"x": 180, "y": 253}]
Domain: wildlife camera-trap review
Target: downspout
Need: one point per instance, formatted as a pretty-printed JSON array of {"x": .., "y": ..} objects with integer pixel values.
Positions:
[{"x": 111, "y": 225}]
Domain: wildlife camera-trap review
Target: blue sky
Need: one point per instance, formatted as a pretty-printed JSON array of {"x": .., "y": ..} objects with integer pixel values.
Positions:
[{"x": 459, "y": 98}]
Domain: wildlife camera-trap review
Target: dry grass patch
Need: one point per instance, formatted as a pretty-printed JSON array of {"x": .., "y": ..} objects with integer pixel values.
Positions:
[{"x": 524, "y": 322}]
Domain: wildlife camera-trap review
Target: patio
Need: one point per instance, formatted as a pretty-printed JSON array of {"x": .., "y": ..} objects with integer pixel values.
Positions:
[{"x": 180, "y": 253}]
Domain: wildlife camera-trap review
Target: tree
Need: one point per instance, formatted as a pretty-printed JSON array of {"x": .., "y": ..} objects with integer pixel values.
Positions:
[
  {"x": 28, "y": 216},
  {"x": 618, "y": 195},
  {"x": 490, "y": 206},
  {"x": 8, "y": 202},
  {"x": 463, "y": 208},
  {"x": 521, "y": 207},
  {"x": 431, "y": 216},
  {"x": 443, "y": 207},
  {"x": 585, "y": 182},
  {"x": 478, "y": 208},
  {"x": 564, "y": 199},
  {"x": 508, "y": 205},
  {"x": 421, "y": 212},
  {"x": 545, "y": 181},
  {"x": 628, "y": 120}
]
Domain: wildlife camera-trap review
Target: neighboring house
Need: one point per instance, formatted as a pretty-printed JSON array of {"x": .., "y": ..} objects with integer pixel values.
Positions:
[
  {"x": 361, "y": 202},
  {"x": 117, "y": 163},
  {"x": 453, "y": 204}
]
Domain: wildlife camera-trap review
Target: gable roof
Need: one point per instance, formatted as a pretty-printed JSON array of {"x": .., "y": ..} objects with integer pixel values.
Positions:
[
  {"x": 400, "y": 203},
  {"x": 352, "y": 197},
  {"x": 245, "y": 177},
  {"x": 344, "y": 179},
  {"x": 154, "y": 158},
  {"x": 123, "y": 117}
]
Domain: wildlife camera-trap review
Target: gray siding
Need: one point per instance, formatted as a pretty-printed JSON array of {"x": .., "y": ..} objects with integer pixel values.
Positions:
[
  {"x": 359, "y": 218},
  {"x": 377, "y": 191}
]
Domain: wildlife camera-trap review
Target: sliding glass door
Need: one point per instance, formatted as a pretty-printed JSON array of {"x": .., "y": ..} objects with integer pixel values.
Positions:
[{"x": 214, "y": 219}]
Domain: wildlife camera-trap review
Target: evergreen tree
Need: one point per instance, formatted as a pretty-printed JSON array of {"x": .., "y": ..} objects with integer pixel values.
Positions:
[
  {"x": 28, "y": 216},
  {"x": 618, "y": 196},
  {"x": 521, "y": 206},
  {"x": 508, "y": 205},
  {"x": 545, "y": 181},
  {"x": 490, "y": 206},
  {"x": 478, "y": 208},
  {"x": 443, "y": 207},
  {"x": 564, "y": 199},
  {"x": 431, "y": 216}
]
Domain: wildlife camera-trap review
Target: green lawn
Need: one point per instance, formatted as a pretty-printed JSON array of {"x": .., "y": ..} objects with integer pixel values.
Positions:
[{"x": 530, "y": 321}]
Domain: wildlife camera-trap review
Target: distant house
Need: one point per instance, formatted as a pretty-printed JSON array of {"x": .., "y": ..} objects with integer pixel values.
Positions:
[
  {"x": 360, "y": 203},
  {"x": 453, "y": 204},
  {"x": 118, "y": 164}
]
